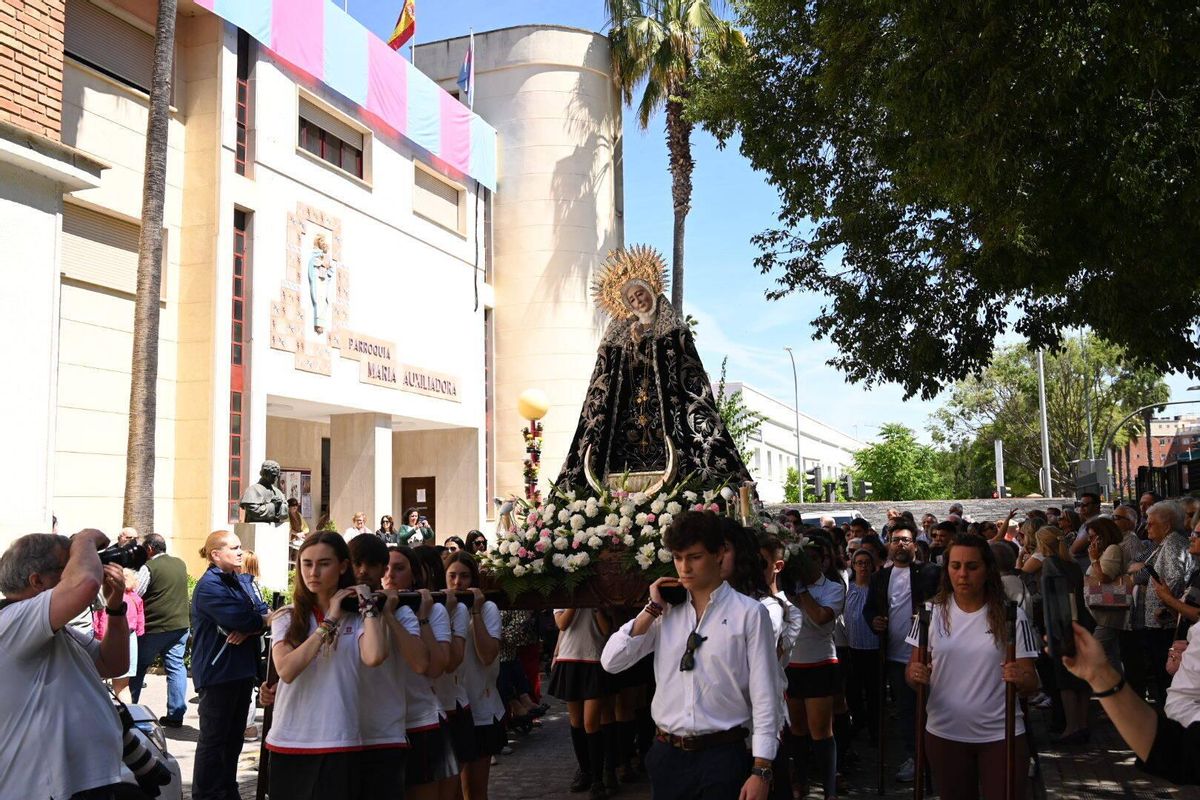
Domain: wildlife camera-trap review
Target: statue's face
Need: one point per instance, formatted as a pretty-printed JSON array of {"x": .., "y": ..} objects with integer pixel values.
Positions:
[
  {"x": 640, "y": 300},
  {"x": 270, "y": 474}
]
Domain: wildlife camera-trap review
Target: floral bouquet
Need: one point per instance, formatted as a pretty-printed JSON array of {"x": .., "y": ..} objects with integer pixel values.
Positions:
[{"x": 564, "y": 540}]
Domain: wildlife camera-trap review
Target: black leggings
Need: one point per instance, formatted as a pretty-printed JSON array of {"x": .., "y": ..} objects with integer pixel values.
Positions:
[{"x": 965, "y": 771}]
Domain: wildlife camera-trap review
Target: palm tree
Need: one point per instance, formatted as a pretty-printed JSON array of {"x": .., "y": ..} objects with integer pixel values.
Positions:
[
  {"x": 143, "y": 385},
  {"x": 662, "y": 43}
]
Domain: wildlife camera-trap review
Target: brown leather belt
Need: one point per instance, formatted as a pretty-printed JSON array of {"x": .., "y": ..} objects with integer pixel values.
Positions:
[{"x": 704, "y": 741}]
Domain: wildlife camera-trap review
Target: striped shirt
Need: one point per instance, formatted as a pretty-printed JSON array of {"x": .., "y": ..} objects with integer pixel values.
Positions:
[{"x": 858, "y": 631}]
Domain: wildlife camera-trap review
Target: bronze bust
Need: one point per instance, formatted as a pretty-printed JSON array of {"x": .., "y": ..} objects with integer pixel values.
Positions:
[{"x": 263, "y": 501}]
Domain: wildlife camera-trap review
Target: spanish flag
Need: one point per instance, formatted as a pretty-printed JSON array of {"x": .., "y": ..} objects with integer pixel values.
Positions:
[{"x": 406, "y": 25}]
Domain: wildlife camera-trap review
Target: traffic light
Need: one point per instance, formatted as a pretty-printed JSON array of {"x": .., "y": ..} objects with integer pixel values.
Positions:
[
  {"x": 867, "y": 491},
  {"x": 812, "y": 484},
  {"x": 848, "y": 485}
]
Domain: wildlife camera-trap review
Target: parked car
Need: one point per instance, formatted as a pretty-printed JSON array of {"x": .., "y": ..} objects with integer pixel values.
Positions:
[{"x": 841, "y": 516}]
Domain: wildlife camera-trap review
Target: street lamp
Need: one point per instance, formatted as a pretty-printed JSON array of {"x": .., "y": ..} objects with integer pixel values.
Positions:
[
  {"x": 796, "y": 400},
  {"x": 532, "y": 405}
]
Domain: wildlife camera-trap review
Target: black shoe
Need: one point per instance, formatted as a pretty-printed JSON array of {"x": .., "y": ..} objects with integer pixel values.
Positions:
[
  {"x": 611, "y": 784},
  {"x": 582, "y": 781},
  {"x": 167, "y": 722}
]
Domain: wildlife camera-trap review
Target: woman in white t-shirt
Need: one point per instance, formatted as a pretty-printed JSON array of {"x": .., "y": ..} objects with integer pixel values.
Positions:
[
  {"x": 480, "y": 668},
  {"x": 318, "y": 651},
  {"x": 813, "y": 677},
  {"x": 430, "y": 758},
  {"x": 964, "y": 729}
]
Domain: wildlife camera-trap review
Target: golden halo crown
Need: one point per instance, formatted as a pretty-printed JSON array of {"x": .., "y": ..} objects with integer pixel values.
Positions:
[{"x": 639, "y": 262}]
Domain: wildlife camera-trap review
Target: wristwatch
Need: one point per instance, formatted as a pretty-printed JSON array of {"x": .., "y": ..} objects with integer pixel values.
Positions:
[
  {"x": 766, "y": 773},
  {"x": 119, "y": 611}
]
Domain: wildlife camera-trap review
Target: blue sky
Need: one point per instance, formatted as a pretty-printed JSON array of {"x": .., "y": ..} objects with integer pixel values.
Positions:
[{"x": 730, "y": 204}]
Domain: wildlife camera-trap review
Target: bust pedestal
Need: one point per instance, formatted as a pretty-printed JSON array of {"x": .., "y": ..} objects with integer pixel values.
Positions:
[{"x": 270, "y": 543}]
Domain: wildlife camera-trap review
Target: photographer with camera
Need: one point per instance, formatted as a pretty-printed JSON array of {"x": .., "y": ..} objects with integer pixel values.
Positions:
[
  {"x": 65, "y": 739},
  {"x": 228, "y": 618},
  {"x": 162, "y": 583},
  {"x": 319, "y": 649}
]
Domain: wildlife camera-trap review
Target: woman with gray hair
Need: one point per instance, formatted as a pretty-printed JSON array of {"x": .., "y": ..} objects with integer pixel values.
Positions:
[{"x": 1168, "y": 563}]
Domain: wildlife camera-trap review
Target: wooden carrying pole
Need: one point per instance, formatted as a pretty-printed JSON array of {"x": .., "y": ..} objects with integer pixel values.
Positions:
[
  {"x": 264, "y": 755},
  {"x": 922, "y": 693},
  {"x": 1010, "y": 706}
]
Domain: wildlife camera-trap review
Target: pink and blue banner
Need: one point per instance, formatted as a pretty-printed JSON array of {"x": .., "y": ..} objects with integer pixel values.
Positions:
[{"x": 321, "y": 40}]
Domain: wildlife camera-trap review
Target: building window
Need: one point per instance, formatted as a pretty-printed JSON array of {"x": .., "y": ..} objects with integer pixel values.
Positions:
[
  {"x": 109, "y": 45},
  {"x": 244, "y": 50},
  {"x": 330, "y": 139},
  {"x": 237, "y": 362},
  {"x": 439, "y": 200}
]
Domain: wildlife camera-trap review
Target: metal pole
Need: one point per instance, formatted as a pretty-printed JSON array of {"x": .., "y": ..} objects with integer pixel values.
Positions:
[
  {"x": 796, "y": 401},
  {"x": 1047, "y": 483},
  {"x": 1087, "y": 399},
  {"x": 999, "y": 444}
]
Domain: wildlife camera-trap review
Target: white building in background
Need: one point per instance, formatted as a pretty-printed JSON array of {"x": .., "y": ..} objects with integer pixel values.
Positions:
[{"x": 773, "y": 446}]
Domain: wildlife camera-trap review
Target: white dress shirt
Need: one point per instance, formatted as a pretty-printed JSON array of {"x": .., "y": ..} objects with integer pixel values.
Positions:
[
  {"x": 1183, "y": 698},
  {"x": 735, "y": 682}
]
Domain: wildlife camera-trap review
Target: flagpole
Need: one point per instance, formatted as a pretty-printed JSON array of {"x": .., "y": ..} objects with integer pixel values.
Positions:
[{"x": 471, "y": 86}]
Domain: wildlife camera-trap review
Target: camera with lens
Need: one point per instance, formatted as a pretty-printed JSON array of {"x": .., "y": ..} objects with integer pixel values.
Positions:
[
  {"x": 374, "y": 602},
  {"x": 129, "y": 556}
]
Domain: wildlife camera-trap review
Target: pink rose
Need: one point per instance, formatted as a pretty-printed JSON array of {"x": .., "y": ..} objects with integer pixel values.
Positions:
[
  {"x": 698, "y": 507},
  {"x": 651, "y": 518},
  {"x": 616, "y": 539},
  {"x": 545, "y": 534},
  {"x": 575, "y": 545},
  {"x": 523, "y": 553},
  {"x": 713, "y": 507},
  {"x": 541, "y": 545}
]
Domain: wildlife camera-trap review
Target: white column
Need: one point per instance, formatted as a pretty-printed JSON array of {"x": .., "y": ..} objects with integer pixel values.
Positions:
[{"x": 360, "y": 468}]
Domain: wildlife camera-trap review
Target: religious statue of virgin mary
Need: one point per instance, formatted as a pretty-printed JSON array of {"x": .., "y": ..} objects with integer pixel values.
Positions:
[{"x": 649, "y": 416}]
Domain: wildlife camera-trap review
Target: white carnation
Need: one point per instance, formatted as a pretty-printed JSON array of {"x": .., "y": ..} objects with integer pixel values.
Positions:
[
  {"x": 559, "y": 560},
  {"x": 537, "y": 567},
  {"x": 664, "y": 555},
  {"x": 674, "y": 508},
  {"x": 583, "y": 559},
  {"x": 612, "y": 520},
  {"x": 657, "y": 506},
  {"x": 514, "y": 562},
  {"x": 627, "y": 510},
  {"x": 637, "y": 498},
  {"x": 649, "y": 530},
  {"x": 577, "y": 522},
  {"x": 518, "y": 571},
  {"x": 664, "y": 521},
  {"x": 640, "y": 519},
  {"x": 531, "y": 535},
  {"x": 548, "y": 511},
  {"x": 628, "y": 540},
  {"x": 564, "y": 516},
  {"x": 560, "y": 543},
  {"x": 594, "y": 542}
]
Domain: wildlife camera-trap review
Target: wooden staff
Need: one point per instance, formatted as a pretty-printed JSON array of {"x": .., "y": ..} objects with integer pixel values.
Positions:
[
  {"x": 1010, "y": 706},
  {"x": 264, "y": 755},
  {"x": 882, "y": 734},
  {"x": 922, "y": 693}
]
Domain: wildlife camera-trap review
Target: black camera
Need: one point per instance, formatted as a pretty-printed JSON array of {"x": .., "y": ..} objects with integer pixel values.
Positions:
[{"x": 129, "y": 556}]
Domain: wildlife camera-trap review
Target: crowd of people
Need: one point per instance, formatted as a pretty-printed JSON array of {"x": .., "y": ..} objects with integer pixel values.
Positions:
[{"x": 752, "y": 672}]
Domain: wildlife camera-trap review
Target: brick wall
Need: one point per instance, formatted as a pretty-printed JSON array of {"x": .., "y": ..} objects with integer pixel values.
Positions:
[{"x": 31, "y": 65}]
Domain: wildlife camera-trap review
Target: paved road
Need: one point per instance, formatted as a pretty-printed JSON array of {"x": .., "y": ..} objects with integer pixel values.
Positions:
[{"x": 541, "y": 765}]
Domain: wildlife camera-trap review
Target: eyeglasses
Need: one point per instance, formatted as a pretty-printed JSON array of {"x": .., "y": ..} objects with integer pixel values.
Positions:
[
  {"x": 902, "y": 540},
  {"x": 688, "y": 662}
]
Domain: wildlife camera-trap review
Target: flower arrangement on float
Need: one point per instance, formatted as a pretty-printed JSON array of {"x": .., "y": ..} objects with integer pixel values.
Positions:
[{"x": 562, "y": 541}]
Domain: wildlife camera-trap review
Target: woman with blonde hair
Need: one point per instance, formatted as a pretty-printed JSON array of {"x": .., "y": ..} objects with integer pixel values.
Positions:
[
  {"x": 227, "y": 621},
  {"x": 1047, "y": 542}
]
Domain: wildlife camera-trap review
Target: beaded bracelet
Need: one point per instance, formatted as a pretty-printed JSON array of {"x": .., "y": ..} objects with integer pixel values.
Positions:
[{"x": 653, "y": 609}]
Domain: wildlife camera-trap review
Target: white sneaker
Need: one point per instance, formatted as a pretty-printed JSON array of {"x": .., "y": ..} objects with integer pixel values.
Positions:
[
  {"x": 907, "y": 771},
  {"x": 1041, "y": 700}
]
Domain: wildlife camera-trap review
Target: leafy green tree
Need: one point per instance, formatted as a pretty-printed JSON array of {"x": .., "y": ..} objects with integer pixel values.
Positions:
[
  {"x": 899, "y": 467},
  {"x": 1002, "y": 403},
  {"x": 658, "y": 44},
  {"x": 953, "y": 171},
  {"x": 791, "y": 486},
  {"x": 739, "y": 420}
]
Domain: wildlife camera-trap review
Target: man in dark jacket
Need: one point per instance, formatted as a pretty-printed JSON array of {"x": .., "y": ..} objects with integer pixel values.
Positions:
[
  {"x": 228, "y": 616},
  {"x": 895, "y": 594}
]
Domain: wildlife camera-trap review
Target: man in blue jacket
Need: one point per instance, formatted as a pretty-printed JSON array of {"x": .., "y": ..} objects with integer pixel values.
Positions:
[{"x": 228, "y": 617}]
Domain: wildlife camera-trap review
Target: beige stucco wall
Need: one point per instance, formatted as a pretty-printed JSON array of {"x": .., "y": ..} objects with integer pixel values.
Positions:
[
  {"x": 296, "y": 444},
  {"x": 453, "y": 457},
  {"x": 558, "y": 208},
  {"x": 107, "y": 120}
]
